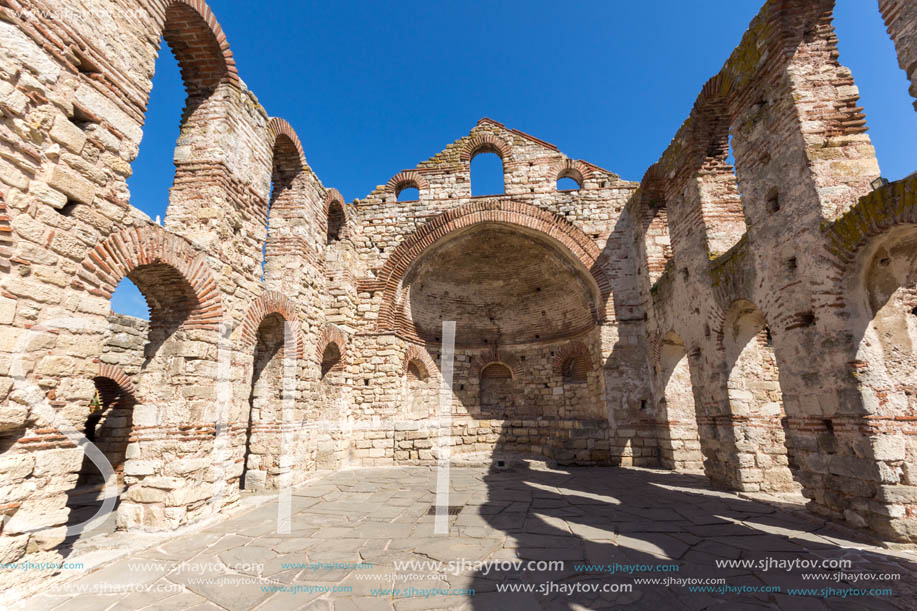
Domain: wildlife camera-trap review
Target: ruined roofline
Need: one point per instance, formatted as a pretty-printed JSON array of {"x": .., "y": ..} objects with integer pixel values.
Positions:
[
  {"x": 486, "y": 120},
  {"x": 446, "y": 159},
  {"x": 547, "y": 144}
]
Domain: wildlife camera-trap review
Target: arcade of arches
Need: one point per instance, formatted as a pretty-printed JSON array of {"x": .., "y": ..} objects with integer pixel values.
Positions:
[{"x": 763, "y": 336}]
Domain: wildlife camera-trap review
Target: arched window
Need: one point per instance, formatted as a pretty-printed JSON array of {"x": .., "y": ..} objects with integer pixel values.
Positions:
[
  {"x": 283, "y": 211},
  {"x": 197, "y": 41},
  {"x": 570, "y": 176},
  {"x": 147, "y": 350},
  {"x": 153, "y": 171},
  {"x": 408, "y": 193},
  {"x": 486, "y": 173},
  {"x": 721, "y": 200},
  {"x": 128, "y": 300},
  {"x": 335, "y": 221},
  {"x": 330, "y": 357},
  {"x": 868, "y": 47}
]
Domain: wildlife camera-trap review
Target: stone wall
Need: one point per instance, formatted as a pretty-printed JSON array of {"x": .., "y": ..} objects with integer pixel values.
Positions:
[
  {"x": 803, "y": 163},
  {"x": 599, "y": 317}
]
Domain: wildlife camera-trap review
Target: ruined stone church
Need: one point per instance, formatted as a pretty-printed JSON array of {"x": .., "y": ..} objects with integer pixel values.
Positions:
[{"x": 754, "y": 321}]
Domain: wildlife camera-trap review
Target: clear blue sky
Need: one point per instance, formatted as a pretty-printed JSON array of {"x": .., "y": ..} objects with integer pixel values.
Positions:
[{"x": 374, "y": 88}]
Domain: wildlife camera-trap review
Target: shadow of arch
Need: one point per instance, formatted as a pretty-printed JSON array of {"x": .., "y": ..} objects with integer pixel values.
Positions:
[{"x": 640, "y": 520}]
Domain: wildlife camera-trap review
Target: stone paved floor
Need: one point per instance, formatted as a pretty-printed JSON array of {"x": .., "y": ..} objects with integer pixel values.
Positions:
[{"x": 529, "y": 512}]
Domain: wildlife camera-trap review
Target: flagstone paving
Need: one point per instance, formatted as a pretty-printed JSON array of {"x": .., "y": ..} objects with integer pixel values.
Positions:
[{"x": 598, "y": 516}]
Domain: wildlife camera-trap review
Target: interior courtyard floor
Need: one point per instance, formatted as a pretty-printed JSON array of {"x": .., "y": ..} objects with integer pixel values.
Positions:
[{"x": 350, "y": 528}]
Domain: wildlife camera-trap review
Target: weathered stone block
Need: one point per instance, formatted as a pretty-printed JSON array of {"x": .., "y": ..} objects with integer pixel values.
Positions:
[{"x": 73, "y": 185}]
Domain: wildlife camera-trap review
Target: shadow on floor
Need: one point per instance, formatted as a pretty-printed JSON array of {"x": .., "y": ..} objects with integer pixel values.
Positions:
[{"x": 601, "y": 522}]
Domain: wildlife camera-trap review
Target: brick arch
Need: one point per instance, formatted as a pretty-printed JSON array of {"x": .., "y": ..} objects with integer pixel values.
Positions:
[
  {"x": 117, "y": 375},
  {"x": 271, "y": 302},
  {"x": 123, "y": 252},
  {"x": 280, "y": 129},
  {"x": 711, "y": 120},
  {"x": 332, "y": 334},
  {"x": 332, "y": 195},
  {"x": 284, "y": 214},
  {"x": 577, "y": 243},
  {"x": 652, "y": 188},
  {"x": 405, "y": 180},
  {"x": 417, "y": 353},
  {"x": 199, "y": 44},
  {"x": 485, "y": 143},
  {"x": 571, "y": 350},
  {"x": 578, "y": 170},
  {"x": 493, "y": 355},
  {"x": 874, "y": 214}
]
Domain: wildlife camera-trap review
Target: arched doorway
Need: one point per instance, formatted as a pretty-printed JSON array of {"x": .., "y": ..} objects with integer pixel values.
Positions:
[
  {"x": 755, "y": 402},
  {"x": 108, "y": 427},
  {"x": 676, "y": 416}
]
